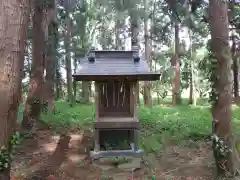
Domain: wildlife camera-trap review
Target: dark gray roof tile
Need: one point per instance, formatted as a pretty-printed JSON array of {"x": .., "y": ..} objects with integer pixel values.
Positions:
[{"x": 113, "y": 63}]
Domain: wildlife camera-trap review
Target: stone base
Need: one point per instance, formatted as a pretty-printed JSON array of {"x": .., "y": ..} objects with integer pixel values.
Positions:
[
  {"x": 128, "y": 153},
  {"x": 127, "y": 165}
]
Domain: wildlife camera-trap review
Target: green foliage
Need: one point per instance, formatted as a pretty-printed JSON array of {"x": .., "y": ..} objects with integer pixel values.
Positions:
[
  {"x": 179, "y": 123},
  {"x": 67, "y": 117},
  {"x": 208, "y": 66},
  {"x": 119, "y": 144},
  {"x": 4, "y": 158},
  {"x": 159, "y": 123},
  {"x": 7, "y": 152},
  {"x": 220, "y": 146},
  {"x": 161, "y": 62}
]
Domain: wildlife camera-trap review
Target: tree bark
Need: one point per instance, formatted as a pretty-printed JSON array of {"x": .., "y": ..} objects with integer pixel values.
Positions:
[
  {"x": 191, "y": 99},
  {"x": 51, "y": 65},
  {"x": 14, "y": 20},
  {"x": 32, "y": 109},
  {"x": 75, "y": 82},
  {"x": 118, "y": 42},
  {"x": 85, "y": 84},
  {"x": 147, "y": 84},
  {"x": 58, "y": 84},
  {"x": 85, "y": 92},
  {"x": 235, "y": 69},
  {"x": 134, "y": 30},
  {"x": 176, "y": 94},
  {"x": 221, "y": 108},
  {"x": 68, "y": 59},
  {"x": 135, "y": 42},
  {"x": 51, "y": 32}
]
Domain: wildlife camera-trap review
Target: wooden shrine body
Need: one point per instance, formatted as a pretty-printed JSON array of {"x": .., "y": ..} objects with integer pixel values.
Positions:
[
  {"x": 116, "y": 75},
  {"x": 116, "y": 104}
]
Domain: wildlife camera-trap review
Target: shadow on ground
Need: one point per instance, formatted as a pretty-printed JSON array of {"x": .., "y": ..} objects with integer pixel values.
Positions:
[
  {"x": 62, "y": 156},
  {"x": 55, "y": 160}
]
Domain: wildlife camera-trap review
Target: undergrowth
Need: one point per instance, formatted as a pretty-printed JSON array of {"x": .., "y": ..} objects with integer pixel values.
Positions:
[{"x": 157, "y": 124}]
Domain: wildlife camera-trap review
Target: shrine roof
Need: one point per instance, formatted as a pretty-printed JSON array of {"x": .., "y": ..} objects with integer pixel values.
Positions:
[{"x": 114, "y": 64}]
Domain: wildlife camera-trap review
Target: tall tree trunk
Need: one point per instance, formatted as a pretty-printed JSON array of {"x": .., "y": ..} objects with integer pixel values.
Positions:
[
  {"x": 235, "y": 68},
  {"x": 51, "y": 65},
  {"x": 14, "y": 18},
  {"x": 118, "y": 42},
  {"x": 85, "y": 84},
  {"x": 147, "y": 84},
  {"x": 67, "y": 39},
  {"x": 134, "y": 30},
  {"x": 32, "y": 108},
  {"x": 134, "y": 41},
  {"x": 75, "y": 82},
  {"x": 191, "y": 99},
  {"x": 176, "y": 94},
  {"x": 222, "y": 85},
  {"x": 51, "y": 33},
  {"x": 58, "y": 84},
  {"x": 45, "y": 23},
  {"x": 85, "y": 91}
]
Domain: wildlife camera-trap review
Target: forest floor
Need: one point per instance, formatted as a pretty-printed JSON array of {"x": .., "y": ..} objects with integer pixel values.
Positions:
[{"x": 176, "y": 142}]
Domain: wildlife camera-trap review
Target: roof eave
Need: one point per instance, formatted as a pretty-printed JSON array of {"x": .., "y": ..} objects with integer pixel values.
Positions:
[{"x": 130, "y": 77}]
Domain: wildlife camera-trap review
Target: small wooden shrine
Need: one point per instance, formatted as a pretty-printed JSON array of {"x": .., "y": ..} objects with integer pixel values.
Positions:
[{"x": 116, "y": 75}]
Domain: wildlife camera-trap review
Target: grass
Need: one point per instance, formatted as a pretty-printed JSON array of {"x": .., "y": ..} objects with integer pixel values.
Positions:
[{"x": 158, "y": 123}]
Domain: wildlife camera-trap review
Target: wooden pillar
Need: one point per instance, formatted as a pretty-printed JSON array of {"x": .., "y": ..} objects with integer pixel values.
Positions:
[
  {"x": 97, "y": 98},
  {"x": 135, "y": 97},
  {"x": 96, "y": 140},
  {"x": 96, "y": 131}
]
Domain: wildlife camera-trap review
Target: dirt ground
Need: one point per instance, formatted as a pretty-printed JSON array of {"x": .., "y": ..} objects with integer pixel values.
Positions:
[{"x": 51, "y": 156}]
